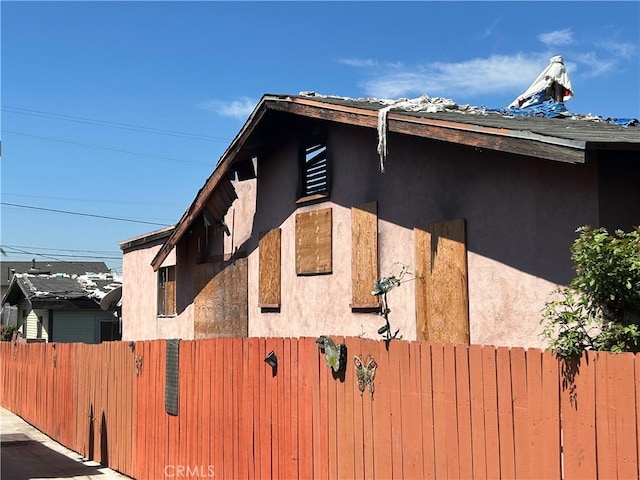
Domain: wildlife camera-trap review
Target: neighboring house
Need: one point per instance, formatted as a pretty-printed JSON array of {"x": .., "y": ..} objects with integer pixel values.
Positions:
[
  {"x": 64, "y": 308},
  {"x": 302, "y": 214}
]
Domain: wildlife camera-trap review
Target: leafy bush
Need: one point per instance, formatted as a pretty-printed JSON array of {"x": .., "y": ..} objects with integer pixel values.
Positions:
[
  {"x": 600, "y": 308},
  {"x": 6, "y": 333}
]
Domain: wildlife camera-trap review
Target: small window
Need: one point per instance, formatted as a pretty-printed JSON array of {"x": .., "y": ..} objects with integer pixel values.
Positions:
[
  {"x": 314, "y": 172},
  {"x": 167, "y": 291}
]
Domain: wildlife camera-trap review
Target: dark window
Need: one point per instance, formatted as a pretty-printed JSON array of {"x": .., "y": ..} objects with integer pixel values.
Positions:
[
  {"x": 314, "y": 168},
  {"x": 167, "y": 291}
]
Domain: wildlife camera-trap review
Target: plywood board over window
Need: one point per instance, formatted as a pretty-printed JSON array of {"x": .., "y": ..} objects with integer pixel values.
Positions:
[
  {"x": 269, "y": 269},
  {"x": 364, "y": 255},
  {"x": 313, "y": 242},
  {"x": 220, "y": 306},
  {"x": 442, "y": 299}
]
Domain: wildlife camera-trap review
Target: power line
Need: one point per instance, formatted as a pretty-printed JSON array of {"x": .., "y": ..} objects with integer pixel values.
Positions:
[
  {"x": 105, "y": 123},
  {"x": 84, "y": 200},
  {"x": 83, "y": 214},
  {"x": 105, "y": 147},
  {"x": 44, "y": 255},
  {"x": 105, "y": 252}
]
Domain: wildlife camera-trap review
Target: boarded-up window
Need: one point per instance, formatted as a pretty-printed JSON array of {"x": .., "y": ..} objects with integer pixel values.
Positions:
[
  {"x": 167, "y": 291},
  {"x": 269, "y": 269},
  {"x": 442, "y": 300},
  {"x": 364, "y": 255},
  {"x": 220, "y": 308},
  {"x": 313, "y": 242}
]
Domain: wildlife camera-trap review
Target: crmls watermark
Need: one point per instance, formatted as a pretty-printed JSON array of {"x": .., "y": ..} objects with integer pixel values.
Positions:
[{"x": 188, "y": 471}]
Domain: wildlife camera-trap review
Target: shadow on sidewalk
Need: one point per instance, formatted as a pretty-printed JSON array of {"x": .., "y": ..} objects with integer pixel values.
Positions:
[{"x": 23, "y": 459}]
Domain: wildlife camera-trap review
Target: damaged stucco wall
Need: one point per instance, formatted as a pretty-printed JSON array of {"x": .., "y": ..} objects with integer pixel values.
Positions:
[{"x": 521, "y": 215}]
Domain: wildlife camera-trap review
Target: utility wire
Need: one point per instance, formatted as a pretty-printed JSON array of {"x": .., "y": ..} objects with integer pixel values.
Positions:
[
  {"x": 105, "y": 123},
  {"x": 44, "y": 255},
  {"x": 83, "y": 214},
  {"x": 104, "y": 252},
  {"x": 84, "y": 200},
  {"x": 104, "y": 147}
]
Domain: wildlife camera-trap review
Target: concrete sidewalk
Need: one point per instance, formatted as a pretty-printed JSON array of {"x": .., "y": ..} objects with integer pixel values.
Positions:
[{"x": 27, "y": 454}]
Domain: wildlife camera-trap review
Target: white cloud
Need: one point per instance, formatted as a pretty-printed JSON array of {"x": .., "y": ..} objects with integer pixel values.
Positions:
[
  {"x": 358, "y": 63},
  {"x": 592, "y": 66},
  {"x": 498, "y": 73},
  {"x": 240, "y": 108},
  {"x": 558, "y": 37},
  {"x": 622, "y": 50}
]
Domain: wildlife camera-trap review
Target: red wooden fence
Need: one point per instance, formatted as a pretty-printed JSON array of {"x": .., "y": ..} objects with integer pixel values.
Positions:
[{"x": 438, "y": 411}]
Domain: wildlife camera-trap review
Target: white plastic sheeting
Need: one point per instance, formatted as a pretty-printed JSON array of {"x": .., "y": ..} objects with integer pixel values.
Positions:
[{"x": 539, "y": 90}]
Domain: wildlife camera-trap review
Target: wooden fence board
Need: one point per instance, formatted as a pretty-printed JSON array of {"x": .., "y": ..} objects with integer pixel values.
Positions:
[
  {"x": 551, "y": 465},
  {"x": 625, "y": 419},
  {"x": 396, "y": 351},
  {"x": 428, "y": 422},
  {"x": 307, "y": 353},
  {"x": 283, "y": 425},
  {"x": 438, "y": 374},
  {"x": 245, "y": 420},
  {"x": 478, "y": 446},
  {"x": 605, "y": 420},
  {"x": 294, "y": 411},
  {"x": 463, "y": 396},
  {"x": 533, "y": 416},
  {"x": 332, "y": 419},
  {"x": 521, "y": 414},
  {"x": 381, "y": 402},
  {"x": 637, "y": 382},
  {"x": 451, "y": 412},
  {"x": 578, "y": 419},
  {"x": 253, "y": 355},
  {"x": 505, "y": 414},
  {"x": 218, "y": 386},
  {"x": 365, "y": 402},
  {"x": 264, "y": 446},
  {"x": 345, "y": 420},
  {"x": 411, "y": 411},
  {"x": 490, "y": 400}
]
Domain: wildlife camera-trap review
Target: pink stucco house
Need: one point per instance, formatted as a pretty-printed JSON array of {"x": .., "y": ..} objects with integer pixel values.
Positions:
[{"x": 317, "y": 197}]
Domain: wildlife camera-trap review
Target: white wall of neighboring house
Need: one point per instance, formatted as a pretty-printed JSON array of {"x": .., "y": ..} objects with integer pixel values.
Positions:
[{"x": 32, "y": 323}]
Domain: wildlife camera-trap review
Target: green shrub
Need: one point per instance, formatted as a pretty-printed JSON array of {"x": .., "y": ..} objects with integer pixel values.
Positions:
[
  {"x": 6, "y": 333},
  {"x": 600, "y": 308}
]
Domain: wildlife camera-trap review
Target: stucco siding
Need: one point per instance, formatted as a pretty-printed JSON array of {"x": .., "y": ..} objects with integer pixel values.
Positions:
[
  {"x": 521, "y": 215},
  {"x": 140, "y": 320}
]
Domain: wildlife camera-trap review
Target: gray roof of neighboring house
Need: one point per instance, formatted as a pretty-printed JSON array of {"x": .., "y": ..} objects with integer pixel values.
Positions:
[
  {"x": 43, "y": 288},
  {"x": 145, "y": 238},
  {"x": 69, "y": 268}
]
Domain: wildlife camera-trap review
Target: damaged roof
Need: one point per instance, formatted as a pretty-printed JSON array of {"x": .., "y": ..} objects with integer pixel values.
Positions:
[
  {"x": 569, "y": 138},
  {"x": 70, "y": 268},
  {"x": 43, "y": 291}
]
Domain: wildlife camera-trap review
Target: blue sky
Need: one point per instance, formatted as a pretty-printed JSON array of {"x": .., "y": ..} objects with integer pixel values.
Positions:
[{"x": 122, "y": 109}]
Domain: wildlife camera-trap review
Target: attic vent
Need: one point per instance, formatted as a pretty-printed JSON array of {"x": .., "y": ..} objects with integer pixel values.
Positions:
[{"x": 314, "y": 168}]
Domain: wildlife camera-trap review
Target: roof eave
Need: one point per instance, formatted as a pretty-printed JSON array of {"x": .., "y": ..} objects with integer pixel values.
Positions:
[{"x": 214, "y": 179}]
